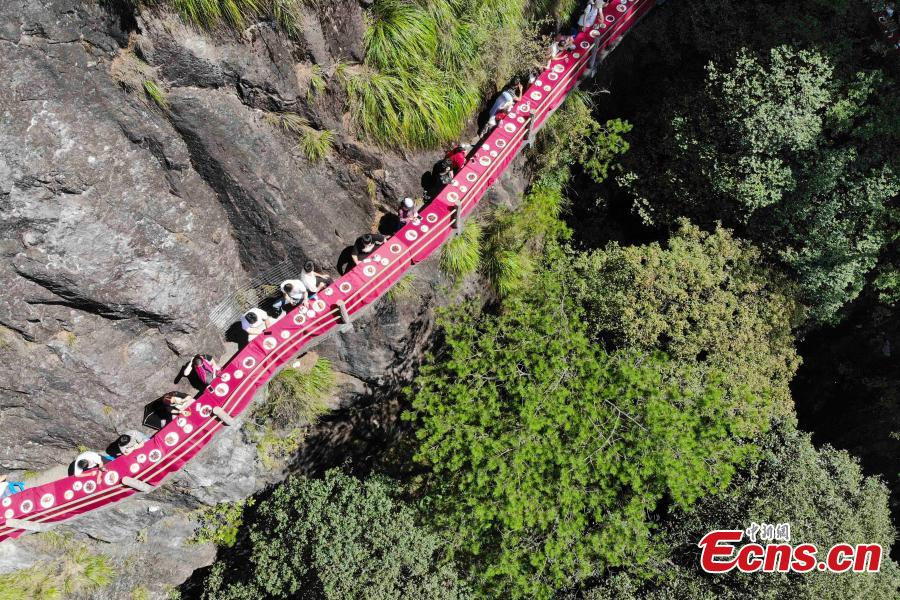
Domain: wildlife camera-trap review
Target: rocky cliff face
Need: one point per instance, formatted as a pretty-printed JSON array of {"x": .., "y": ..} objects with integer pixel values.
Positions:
[{"x": 125, "y": 223}]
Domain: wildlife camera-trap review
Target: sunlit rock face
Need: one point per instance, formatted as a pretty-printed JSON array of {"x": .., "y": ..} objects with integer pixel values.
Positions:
[{"x": 125, "y": 224}]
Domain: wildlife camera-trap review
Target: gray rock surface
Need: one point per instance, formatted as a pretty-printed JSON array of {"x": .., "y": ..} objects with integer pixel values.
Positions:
[{"x": 124, "y": 224}]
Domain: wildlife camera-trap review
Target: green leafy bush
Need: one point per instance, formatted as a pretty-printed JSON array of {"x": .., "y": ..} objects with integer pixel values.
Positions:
[
  {"x": 800, "y": 157},
  {"x": 336, "y": 538},
  {"x": 572, "y": 136},
  {"x": 706, "y": 299},
  {"x": 822, "y": 493},
  {"x": 220, "y": 524},
  {"x": 547, "y": 454}
]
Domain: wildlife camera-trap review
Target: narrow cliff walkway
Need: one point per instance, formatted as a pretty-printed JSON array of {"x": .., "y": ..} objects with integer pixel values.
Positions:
[{"x": 229, "y": 395}]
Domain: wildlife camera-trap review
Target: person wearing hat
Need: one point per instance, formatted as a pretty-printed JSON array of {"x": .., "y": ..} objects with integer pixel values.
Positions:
[{"x": 408, "y": 213}]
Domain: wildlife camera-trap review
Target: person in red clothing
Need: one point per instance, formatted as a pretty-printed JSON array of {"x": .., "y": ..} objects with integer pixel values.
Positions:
[
  {"x": 452, "y": 163},
  {"x": 457, "y": 157}
]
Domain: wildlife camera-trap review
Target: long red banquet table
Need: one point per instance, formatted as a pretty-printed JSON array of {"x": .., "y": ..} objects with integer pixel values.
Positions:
[{"x": 232, "y": 391}]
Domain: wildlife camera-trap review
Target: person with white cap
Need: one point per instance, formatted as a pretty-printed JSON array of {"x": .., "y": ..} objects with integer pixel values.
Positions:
[
  {"x": 408, "y": 213},
  {"x": 255, "y": 321}
]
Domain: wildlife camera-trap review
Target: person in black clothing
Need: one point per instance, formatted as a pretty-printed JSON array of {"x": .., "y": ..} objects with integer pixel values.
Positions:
[{"x": 366, "y": 245}]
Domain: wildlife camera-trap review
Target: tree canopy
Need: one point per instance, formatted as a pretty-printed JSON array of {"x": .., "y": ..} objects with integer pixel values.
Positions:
[
  {"x": 821, "y": 493},
  {"x": 708, "y": 301},
  {"x": 335, "y": 538},
  {"x": 547, "y": 454},
  {"x": 800, "y": 159}
]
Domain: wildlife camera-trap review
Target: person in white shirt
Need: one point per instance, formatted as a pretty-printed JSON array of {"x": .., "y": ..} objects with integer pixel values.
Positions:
[
  {"x": 314, "y": 281},
  {"x": 254, "y": 322},
  {"x": 130, "y": 441},
  {"x": 293, "y": 293},
  {"x": 87, "y": 461},
  {"x": 590, "y": 14}
]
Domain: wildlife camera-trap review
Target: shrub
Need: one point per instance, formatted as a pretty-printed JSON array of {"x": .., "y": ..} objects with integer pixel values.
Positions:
[
  {"x": 274, "y": 446},
  {"x": 546, "y": 454},
  {"x": 706, "y": 299},
  {"x": 295, "y": 397},
  {"x": 336, "y": 538},
  {"x": 221, "y": 523},
  {"x": 461, "y": 255}
]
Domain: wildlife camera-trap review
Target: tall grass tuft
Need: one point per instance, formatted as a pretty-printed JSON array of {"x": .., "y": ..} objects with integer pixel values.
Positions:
[
  {"x": 405, "y": 288},
  {"x": 156, "y": 93},
  {"x": 286, "y": 13},
  {"x": 461, "y": 255},
  {"x": 317, "y": 83},
  {"x": 516, "y": 239},
  {"x": 212, "y": 13},
  {"x": 428, "y": 64},
  {"x": 75, "y": 570},
  {"x": 295, "y": 397},
  {"x": 316, "y": 144}
]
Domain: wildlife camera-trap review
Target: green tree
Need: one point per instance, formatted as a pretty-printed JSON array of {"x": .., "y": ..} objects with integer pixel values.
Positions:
[
  {"x": 573, "y": 137},
  {"x": 336, "y": 538},
  {"x": 801, "y": 159},
  {"x": 821, "y": 493},
  {"x": 547, "y": 454},
  {"x": 708, "y": 301}
]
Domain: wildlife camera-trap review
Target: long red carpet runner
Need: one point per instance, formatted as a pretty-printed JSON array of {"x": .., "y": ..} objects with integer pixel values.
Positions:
[{"x": 231, "y": 392}]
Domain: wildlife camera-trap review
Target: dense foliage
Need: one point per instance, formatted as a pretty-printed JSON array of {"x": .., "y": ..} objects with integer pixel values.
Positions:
[
  {"x": 798, "y": 157},
  {"x": 335, "y": 538},
  {"x": 708, "y": 301},
  {"x": 821, "y": 493},
  {"x": 548, "y": 453}
]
